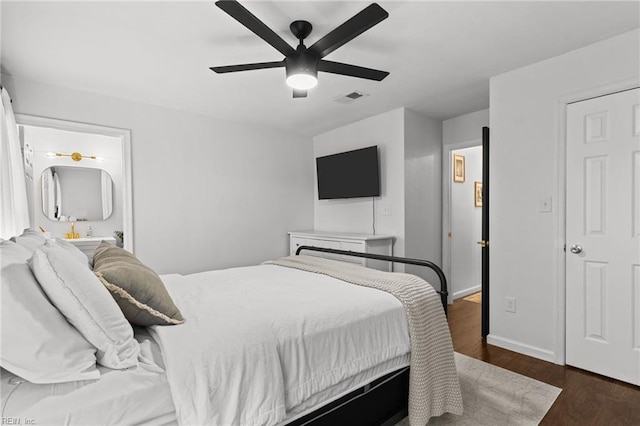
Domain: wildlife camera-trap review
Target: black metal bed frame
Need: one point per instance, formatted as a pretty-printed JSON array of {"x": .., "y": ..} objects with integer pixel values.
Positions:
[
  {"x": 383, "y": 402},
  {"x": 396, "y": 259}
]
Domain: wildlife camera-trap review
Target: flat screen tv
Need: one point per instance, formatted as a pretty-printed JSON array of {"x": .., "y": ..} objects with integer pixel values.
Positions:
[{"x": 349, "y": 174}]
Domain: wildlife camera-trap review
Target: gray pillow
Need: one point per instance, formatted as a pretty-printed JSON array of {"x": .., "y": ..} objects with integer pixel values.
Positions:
[
  {"x": 137, "y": 289},
  {"x": 106, "y": 252}
]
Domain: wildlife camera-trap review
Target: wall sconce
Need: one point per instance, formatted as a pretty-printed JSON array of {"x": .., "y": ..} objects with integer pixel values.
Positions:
[{"x": 75, "y": 156}]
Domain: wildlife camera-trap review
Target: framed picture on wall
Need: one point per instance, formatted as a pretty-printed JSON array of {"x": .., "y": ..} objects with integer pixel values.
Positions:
[
  {"x": 458, "y": 168},
  {"x": 477, "y": 190}
]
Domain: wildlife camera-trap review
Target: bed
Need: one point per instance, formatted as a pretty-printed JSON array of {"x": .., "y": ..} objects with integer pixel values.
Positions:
[{"x": 295, "y": 341}]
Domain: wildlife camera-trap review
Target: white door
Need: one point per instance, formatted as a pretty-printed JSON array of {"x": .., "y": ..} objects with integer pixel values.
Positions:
[{"x": 603, "y": 235}]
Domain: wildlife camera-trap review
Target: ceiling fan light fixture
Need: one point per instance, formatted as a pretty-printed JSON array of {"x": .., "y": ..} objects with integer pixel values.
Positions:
[
  {"x": 302, "y": 81},
  {"x": 302, "y": 71}
]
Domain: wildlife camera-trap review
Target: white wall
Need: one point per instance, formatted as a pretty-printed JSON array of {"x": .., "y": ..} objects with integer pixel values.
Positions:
[
  {"x": 526, "y": 152},
  {"x": 466, "y": 227},
  {"x": 410, "y": 147},
  {"x": 423, "y": 192},
  {"x": 465, "y": 128},
  {"x": 356, "y": 214},
  {"x": 206, "y": 194}
]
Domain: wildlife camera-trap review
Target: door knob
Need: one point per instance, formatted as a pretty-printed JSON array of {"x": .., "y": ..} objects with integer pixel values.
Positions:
[
  {"x": 575, "y": 249},
  {"x": 483, "y": 243}
]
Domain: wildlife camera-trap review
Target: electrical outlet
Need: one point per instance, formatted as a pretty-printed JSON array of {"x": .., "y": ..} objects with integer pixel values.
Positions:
[
  {"x": 386, "y": 210},
  {"x": 510, "y": 304}
]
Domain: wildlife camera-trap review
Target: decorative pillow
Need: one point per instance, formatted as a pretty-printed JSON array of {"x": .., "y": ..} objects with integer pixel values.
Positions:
[
  {"x": 78, "y": 294},
  {"x": 137, "y": 289},
  {"x": 38, "y": 344},
  {"x": 106, "y": 252}
]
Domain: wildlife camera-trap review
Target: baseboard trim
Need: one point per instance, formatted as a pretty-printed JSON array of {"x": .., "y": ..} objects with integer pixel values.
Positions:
[
  {"x": 466, "y": 292},
  {"x": 522, "y": 348}
]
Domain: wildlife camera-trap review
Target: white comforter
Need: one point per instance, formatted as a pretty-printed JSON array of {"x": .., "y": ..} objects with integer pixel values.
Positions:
[{"x": 261, "y": 340}]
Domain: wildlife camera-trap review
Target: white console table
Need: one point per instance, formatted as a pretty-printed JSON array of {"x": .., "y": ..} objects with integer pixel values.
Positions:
[{"x": 361, "y": 243}]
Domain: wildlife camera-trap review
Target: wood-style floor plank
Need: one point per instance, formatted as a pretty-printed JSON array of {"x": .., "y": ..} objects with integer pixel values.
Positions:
[{"x": 586, "y": 399}]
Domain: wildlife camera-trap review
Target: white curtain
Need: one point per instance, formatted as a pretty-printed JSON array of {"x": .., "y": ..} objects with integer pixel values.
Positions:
[{"x": 14, "y": 207}]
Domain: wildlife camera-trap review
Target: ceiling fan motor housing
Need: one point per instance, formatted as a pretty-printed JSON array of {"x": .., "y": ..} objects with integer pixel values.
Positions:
[{"x": 302, "y": 63}]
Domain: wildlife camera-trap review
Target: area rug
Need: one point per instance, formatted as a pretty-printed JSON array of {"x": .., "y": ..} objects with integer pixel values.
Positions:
[{"x": 494, "y": 396}]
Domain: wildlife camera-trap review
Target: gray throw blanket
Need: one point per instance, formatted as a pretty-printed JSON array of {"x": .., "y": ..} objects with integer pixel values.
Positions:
[{"x": 434, "y": 388}]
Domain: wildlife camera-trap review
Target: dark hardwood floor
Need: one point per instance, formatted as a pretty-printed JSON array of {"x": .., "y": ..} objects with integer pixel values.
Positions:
[{"x": 586, "y": 398}]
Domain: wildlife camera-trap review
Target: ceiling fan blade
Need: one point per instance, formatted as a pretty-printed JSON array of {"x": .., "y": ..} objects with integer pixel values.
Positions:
[
  {"x": 299, "y": 93},
  {"x": 249, "y": 20},
  {"x": 351, "y": 70},
  {"x": 352, "y": 28},
  {"x": 247, "y": 67}
]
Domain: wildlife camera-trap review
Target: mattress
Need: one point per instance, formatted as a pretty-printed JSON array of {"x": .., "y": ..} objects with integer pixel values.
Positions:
[{"x": 333, "y": 338}]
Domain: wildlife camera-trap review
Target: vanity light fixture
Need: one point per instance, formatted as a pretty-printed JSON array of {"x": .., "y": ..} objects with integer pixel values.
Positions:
[{"x": 75, "y": 156}]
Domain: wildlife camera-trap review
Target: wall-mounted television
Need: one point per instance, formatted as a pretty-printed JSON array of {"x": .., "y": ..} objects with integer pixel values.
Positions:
[{"x": 349, "y": 174}]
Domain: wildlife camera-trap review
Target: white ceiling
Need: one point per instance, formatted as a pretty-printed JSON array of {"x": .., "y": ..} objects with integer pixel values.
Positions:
[{"x": 440, "y": 54}]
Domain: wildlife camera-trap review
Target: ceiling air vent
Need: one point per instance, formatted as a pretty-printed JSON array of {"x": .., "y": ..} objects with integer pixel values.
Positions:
[{"x": 349, "y": 98}]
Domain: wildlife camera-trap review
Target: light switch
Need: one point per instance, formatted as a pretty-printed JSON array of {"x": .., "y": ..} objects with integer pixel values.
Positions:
[{"x": 545, "y": 205}]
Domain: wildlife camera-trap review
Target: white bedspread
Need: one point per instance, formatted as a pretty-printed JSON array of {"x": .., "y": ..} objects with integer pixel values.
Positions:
[{"x": 259, "y": 341}]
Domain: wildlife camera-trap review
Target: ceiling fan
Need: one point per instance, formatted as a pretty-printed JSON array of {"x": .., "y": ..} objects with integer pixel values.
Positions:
[{"x": 302, "y": 64}]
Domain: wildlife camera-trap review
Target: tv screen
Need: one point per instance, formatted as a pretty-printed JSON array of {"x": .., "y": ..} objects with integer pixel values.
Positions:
[{"x": 349, "y": 174}]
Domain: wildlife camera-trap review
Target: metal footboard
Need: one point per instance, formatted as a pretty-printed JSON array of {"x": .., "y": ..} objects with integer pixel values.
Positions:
[{"x": 419, "y": 262}]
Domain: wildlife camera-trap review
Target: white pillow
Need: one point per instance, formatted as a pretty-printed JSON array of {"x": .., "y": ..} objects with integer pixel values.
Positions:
[
  {"x": 86, "y": 304},
  {"x": 38, "y": 344},
  {"x": 33, "y": 239},
  {"x": 30, "y": 239},
  {"x": 75, "y": 251}
]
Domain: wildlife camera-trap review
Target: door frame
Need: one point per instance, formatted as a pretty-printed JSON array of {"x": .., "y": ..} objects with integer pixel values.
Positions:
[
  {"x": 447, "y": 171},
  {"x": 124, "y": 136},
  {"x": 560, "y": 217}
]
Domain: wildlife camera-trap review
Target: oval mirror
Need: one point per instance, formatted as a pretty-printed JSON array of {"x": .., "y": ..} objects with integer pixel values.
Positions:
[{"x": 76, "y": 193}]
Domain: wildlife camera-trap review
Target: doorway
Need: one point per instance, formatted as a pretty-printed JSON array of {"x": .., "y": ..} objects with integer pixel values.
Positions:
[{"x": 462, "y": 218}]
